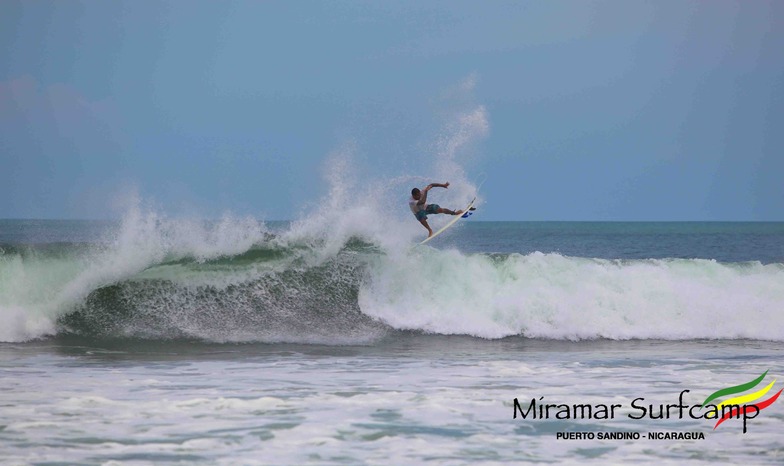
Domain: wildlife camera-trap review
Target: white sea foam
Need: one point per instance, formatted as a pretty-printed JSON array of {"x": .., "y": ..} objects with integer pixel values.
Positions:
[
  {"x": 415, "y": 400},
  {"x": 552, "y": 296}
]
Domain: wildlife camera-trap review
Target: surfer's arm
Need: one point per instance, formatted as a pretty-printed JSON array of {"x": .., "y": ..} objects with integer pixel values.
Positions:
[{"x": 422, "y": 200}]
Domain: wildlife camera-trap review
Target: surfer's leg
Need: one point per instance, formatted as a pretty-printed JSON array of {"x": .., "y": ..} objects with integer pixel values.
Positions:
[
  {"x": 441, "y": 210},
  {"x": 424, "y": 224}
]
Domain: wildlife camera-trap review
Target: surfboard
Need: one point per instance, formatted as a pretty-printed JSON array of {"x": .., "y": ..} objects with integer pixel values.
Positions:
[{"x": 466, "y": 213}]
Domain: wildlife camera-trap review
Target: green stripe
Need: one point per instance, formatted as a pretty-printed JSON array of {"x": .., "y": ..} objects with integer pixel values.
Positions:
[{"x": 735, "y": 389}]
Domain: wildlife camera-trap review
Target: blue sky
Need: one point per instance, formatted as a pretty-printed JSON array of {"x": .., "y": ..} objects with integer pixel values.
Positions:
[{"x": 612, "y": 110}]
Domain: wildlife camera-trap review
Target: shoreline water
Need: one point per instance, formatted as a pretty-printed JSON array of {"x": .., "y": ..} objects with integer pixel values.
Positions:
[{"x": 411, "y": 398}]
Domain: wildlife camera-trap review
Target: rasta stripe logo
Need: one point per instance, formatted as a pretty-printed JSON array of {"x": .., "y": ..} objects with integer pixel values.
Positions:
[{"x": 741, "y": 404}]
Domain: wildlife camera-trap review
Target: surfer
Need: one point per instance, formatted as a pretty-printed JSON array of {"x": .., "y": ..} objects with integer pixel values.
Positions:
[{"x": 422, "y": 210}]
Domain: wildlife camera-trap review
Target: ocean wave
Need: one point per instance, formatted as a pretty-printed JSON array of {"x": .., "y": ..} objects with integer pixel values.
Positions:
[{"x": 282, "y": 288}]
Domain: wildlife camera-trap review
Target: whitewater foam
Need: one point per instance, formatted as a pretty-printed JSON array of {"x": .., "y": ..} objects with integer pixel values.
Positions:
[{"x": 552, "y": 296}]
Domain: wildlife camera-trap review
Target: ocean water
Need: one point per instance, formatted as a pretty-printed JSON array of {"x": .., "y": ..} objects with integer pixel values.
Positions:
[{"x": 160, "y": 340}]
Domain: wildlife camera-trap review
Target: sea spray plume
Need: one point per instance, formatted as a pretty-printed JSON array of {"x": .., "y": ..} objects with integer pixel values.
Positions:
[
  {"x": 466, "y": 124},
  {"x": 460, "y": 135},
  {"x": 147, "y": 235},
  {"x": 457, "y": 144},
  {"x": 356, "y": 206}
]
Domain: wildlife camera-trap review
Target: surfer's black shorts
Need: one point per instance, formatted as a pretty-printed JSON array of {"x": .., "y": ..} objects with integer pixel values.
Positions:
[{"x": 429, "y": 210}]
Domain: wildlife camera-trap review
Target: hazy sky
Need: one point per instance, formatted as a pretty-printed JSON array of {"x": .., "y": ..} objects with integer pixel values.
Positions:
[{"x": 616, "y": 110}]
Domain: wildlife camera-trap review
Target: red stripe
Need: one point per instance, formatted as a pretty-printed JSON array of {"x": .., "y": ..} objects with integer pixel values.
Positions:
[{"x": 759, "y": 406}]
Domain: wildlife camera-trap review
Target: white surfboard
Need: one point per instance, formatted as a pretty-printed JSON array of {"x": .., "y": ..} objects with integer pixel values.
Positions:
[{"x": 466, "y": 213}]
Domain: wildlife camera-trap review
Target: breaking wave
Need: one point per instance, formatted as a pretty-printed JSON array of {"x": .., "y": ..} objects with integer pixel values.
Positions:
[{"x": 236, "y": 281}]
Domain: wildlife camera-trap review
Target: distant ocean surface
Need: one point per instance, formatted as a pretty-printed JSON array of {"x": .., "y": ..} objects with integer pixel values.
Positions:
[{"x": 236, "y": 341}]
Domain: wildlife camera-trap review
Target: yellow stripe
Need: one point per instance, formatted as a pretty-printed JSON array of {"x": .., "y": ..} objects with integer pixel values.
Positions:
[{"x": 740, "y": 400}]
